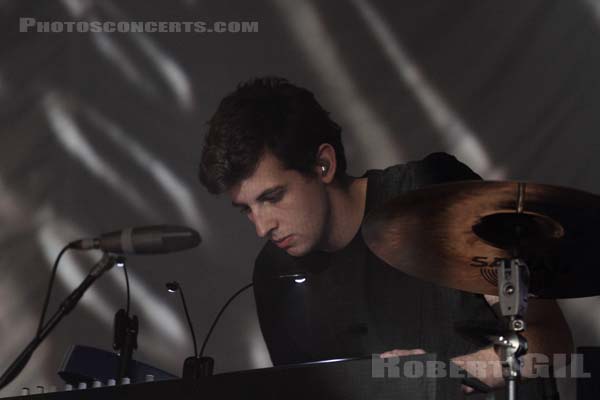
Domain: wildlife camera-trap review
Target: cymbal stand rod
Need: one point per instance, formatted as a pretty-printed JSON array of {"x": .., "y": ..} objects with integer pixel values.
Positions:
[{"x": 513, "y": 278}]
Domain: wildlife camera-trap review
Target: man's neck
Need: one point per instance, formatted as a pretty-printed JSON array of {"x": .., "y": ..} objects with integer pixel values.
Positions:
[{"x": 347, "y": 211}]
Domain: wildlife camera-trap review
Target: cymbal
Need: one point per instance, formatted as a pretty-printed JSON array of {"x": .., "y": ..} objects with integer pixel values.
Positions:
[{"x": 456, "y": 235}]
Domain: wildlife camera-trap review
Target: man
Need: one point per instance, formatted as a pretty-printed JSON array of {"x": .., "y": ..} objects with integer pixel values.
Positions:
[{"x": 277, "y": 154}]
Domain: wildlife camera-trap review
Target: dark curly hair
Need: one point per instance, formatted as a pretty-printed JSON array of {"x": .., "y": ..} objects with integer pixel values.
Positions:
[{"x": 262, "y": 114}]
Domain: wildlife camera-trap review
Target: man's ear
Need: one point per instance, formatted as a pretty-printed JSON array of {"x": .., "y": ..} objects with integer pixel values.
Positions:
[{"x": 326, "y": 163}]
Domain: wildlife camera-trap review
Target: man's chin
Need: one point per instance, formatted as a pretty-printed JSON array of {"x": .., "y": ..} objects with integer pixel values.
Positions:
[{"x": 296, "y": 251}]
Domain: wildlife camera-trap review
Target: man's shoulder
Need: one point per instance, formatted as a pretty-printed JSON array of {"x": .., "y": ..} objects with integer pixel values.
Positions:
[{"x": 435, "y": 168}]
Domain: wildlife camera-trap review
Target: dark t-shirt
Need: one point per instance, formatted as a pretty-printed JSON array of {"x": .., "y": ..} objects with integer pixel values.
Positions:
[{"x": 352, "y": 303}]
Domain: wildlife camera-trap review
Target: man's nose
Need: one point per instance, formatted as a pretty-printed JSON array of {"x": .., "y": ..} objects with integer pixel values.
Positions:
[{"x": 264, "y": 224}]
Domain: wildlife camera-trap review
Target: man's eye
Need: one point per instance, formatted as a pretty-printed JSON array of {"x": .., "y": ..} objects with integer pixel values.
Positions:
[
  {"x": 245, "y": 210},
  {"x": 275, "y": 198}
]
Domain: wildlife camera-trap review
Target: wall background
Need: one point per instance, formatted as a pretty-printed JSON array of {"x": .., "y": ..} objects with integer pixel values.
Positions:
[{"x": 102, "y": 131}]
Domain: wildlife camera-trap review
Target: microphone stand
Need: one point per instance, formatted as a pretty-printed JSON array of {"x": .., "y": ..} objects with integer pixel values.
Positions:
[
  {"x": 126, "y": 330},
  {"x": 106, "y": 262},
  {"x": 125, "y": 333}
]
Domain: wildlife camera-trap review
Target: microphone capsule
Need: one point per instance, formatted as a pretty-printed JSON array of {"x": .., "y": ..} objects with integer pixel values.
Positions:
[
  {"x": 25, "y": 391},
  {"x": 111, "y": 382}
]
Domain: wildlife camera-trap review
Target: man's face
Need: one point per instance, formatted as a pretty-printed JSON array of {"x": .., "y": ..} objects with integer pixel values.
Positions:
[{"x": 285, "y": 206}]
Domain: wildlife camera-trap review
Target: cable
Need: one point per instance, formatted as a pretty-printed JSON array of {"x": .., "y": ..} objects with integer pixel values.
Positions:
[
  {"x": 219, "y": 316},
  {"x": 173, "y": 287},
  {"x": 187, "y": 314},
  {"x": 127, "y": 286},
  {"x": 50, "y": 284}
]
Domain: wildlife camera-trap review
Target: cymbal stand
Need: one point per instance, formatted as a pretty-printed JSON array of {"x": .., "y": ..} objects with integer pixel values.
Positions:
[{"x": 513, "y": 279}]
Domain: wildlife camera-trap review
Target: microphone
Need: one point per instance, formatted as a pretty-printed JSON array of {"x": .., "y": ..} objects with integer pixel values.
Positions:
[{"x": 154, "y": 239}]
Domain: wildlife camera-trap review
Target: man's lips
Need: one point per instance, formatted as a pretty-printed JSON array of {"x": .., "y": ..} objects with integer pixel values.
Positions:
[{"x": 284, "y": 242}]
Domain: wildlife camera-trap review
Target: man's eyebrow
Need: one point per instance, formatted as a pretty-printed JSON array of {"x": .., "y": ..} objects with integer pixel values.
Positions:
[
  {"x": 237, "y": 205},
  {"x": 261, "y": 197}
]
